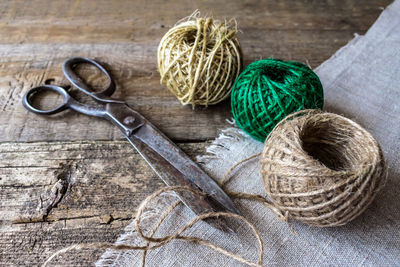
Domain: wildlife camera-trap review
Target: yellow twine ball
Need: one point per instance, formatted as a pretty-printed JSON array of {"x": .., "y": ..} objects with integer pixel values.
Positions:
[{"x": 199, "y": 59}]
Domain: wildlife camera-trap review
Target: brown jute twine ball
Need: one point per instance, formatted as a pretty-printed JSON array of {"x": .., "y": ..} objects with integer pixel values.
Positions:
[
  {"x": 321, "y": 168},
  {"x": 199, "y": 59}
]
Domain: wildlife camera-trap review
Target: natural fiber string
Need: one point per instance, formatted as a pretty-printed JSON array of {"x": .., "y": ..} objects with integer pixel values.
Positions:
[
  {"x": 322, "y": 168},
  {"x": 326, "y": 185},
  {"x": 199, "y": 59},
  {"x": 154, "y": 230},
  {"x": 252, "y": 197},
  {"x": 162, "y": 241}
]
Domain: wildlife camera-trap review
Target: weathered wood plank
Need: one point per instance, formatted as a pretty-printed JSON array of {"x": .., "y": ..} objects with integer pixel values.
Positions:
[
  {"x": 57, "y": 194},
  {"x": 135, "y": 21},
  {"x": 36, "y": 36}
]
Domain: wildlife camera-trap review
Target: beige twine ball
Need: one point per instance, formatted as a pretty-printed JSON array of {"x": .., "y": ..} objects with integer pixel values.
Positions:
[
  {"x": 199, "y": 59},
  {"x": 321, "y": 168}
]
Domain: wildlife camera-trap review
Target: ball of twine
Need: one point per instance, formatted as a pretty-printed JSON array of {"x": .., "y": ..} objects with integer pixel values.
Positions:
[
  {"x": 321, "y": 168},
  {"x": 199, "y": 60},
  {"x": 269, "y": 90}
]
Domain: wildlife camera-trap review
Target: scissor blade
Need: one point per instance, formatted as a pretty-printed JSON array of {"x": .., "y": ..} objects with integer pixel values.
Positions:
[{"x": 175, "y": 168}]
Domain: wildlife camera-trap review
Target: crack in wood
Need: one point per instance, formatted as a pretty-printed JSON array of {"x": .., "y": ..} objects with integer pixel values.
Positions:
[
  {"x": 50, "y": 199},
  {"x": 105, "y": 219}
]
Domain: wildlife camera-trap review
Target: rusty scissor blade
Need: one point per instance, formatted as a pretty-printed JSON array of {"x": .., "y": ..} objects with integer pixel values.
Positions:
[{"x": 175, "y": 168}]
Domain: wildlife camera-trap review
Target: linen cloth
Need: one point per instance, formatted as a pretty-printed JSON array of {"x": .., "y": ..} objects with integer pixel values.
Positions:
[{"x": 361, "y": 81}]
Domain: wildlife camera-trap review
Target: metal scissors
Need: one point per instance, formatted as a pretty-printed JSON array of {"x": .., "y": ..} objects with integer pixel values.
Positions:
[{"x": 168, "y": 161}]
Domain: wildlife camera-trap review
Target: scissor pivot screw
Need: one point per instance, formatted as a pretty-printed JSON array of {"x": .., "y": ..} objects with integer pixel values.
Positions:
[{"x": 129, "y": 120}]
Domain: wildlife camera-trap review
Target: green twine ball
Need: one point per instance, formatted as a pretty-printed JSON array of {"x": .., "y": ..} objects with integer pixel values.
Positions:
[{"x": 268, "y": 90}]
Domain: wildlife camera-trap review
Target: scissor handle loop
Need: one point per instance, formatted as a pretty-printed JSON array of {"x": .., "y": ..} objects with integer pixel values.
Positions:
[
  {"x": 28, "y": 97},
  {"x": 73, "y": 77}
]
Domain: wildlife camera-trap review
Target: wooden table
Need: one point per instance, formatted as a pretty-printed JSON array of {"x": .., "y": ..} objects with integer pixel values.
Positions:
[{"x": 70, "y": 178}]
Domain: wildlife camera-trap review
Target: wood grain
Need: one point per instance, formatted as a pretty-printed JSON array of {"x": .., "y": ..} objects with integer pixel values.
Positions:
[
  {"x": 37, "y": 36},
  {"x": 61, "y": 193}
]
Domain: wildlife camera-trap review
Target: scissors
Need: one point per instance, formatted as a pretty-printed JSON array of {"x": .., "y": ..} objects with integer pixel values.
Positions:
[{"x": 166, "y": 159}]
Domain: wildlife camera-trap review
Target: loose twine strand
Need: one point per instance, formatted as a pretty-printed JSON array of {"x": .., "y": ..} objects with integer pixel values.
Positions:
[{"x": 162, "y": 241}]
